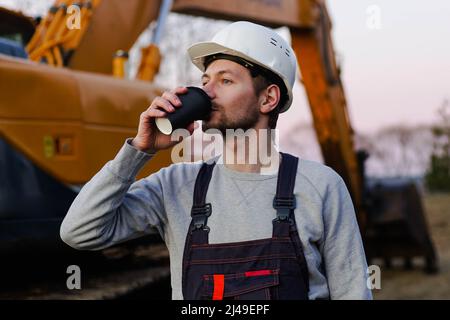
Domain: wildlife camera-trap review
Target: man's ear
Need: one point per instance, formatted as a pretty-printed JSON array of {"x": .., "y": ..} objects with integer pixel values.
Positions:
[{"x": 269, "y": 98}]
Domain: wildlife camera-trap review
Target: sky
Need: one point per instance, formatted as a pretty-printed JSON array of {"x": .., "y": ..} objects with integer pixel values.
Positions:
[
  {"x": 394, "y": 56},
  {"x": 397, "y": 71}
]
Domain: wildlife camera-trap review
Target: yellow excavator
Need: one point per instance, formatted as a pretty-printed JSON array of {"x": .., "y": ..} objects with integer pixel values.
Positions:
[{"x": 66, "y": 109}]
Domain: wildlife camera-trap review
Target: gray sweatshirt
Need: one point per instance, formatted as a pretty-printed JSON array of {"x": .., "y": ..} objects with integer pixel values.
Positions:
[{"x": 112, "y": 207}]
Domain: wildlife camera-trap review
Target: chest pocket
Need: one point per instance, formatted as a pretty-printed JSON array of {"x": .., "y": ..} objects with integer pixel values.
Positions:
[{"x": 251, "y": 285}]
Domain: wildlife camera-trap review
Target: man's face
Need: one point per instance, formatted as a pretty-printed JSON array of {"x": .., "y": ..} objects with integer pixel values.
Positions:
[{"x": 230, "y": 87}]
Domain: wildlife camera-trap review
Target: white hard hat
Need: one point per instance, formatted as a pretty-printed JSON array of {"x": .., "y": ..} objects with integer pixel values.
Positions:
[{"x": 255, "y": 44}]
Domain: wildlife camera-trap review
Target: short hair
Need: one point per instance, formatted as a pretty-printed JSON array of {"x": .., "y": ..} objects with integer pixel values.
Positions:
[{"x": 260, "y": 83}]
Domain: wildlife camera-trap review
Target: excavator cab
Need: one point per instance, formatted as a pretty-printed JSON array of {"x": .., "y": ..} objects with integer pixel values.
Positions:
[{"x": 16, "y": 30}]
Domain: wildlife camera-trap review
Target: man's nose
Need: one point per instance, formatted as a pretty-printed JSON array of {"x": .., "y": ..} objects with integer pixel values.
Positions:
[{"x": 209, "y": 89}]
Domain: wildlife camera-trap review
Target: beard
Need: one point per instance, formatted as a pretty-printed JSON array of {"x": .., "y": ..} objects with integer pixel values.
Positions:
[{"x": 222, "y": 122}]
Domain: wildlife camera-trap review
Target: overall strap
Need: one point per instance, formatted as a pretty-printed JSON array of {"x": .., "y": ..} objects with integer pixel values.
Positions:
[
  {"x": 284, "y": 202},
  {"x": 200, "y": 210}
]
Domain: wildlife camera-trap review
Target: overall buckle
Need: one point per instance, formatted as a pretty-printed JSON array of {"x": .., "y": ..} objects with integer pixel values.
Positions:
[
  {"x": 200, "y": 216},
  {"x": 284, "y": 207}
]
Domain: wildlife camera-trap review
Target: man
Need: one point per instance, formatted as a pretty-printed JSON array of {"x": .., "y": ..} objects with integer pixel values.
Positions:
[{"x": 278, "y": 229}]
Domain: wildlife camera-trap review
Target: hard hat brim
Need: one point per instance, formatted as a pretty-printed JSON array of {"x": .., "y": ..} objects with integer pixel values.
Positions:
[{"x": 198, "y": 52}]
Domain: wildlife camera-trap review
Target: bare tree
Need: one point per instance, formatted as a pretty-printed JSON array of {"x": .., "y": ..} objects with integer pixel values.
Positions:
[
  {"x": 398, "y": 151},
  {"x": 29, "y": 7},
  {"x": 301, "y": 140},
  {"x": 442, "y": 131}
]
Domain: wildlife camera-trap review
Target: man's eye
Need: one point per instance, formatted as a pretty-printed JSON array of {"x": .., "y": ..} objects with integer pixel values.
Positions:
[{"x": 226, "y": 81}]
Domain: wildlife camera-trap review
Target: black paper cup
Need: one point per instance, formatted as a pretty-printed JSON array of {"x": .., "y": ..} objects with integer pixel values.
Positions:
[{"x": 195, "y": 105}]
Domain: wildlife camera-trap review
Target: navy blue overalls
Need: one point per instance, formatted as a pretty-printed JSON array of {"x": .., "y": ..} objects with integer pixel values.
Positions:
[{"x": 272, "y": 268}]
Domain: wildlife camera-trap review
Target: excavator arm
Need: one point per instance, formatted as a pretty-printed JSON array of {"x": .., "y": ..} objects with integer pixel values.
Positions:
[
  {"x": 326, "y": 96},
  {"x": 106, "y": 26}
]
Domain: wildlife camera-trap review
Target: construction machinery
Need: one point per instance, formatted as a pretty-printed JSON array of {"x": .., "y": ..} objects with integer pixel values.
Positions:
[{"x": 63, "y": 114}]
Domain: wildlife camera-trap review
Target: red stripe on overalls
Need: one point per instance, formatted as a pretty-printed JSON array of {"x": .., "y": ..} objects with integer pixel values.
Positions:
[
  {"x": 219, "y": 284},
  {"x": 258, "y": 273}
]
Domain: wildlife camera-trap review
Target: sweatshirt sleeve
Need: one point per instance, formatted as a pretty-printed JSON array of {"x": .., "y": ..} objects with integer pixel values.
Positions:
[
  {"x": 343, "y": 251},
  {"x": 112, "y": 207}
]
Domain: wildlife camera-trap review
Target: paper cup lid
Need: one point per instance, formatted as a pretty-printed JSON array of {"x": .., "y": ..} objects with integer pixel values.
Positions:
[{"x": 164, "y": 125}]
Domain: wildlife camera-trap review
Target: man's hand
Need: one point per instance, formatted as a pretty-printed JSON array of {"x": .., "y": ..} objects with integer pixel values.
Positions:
[{"x": 149, "y": 138}]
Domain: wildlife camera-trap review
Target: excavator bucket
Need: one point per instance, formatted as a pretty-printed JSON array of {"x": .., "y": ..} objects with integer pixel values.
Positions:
[{"x": 397, "y": 227}]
